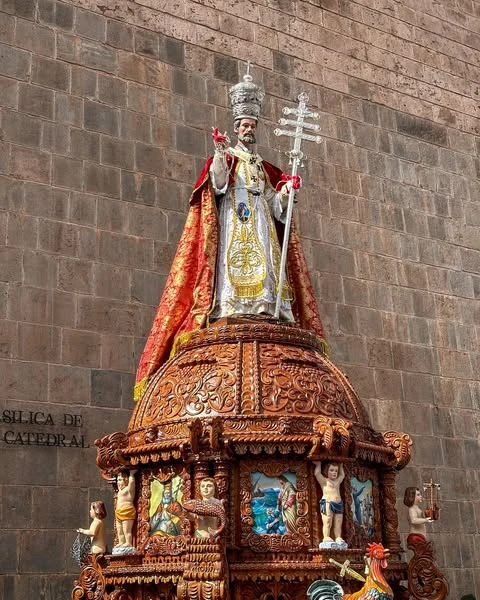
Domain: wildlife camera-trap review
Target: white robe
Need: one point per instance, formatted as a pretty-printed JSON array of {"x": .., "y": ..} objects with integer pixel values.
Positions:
[{"x": 248, "y": 259}]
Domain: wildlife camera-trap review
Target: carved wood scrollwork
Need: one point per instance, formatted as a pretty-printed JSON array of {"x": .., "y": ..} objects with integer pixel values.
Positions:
[
  {"x": 154, "y": 545},
  {"x": 110, "y": 457},
  {"x": 401, "y": 444},
  {"x": 202, "y": 383},
  {"x": 298, "y": 528},
  {"x": 329, "y": 432},
  {"x": 298, "y": 381},
  {"x": 391, "y": 539},
  {"x": 425, "y": 580},
  {"x": 91, "y": 583}
]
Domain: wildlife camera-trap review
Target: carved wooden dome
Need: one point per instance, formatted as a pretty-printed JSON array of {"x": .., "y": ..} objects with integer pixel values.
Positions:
[{"x": 249, "y": 372}]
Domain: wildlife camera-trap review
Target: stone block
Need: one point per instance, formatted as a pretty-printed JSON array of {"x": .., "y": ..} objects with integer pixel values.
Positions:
[
  {"x": 172, "y": 51},
  {"x": 11, "y": 260},
  {"x": 118, "y": 354},
  {"x": 85, "y": 144},
  {"x": 38, "y": 342},
  {"x": 413, "y": 358},
  {"x": 119, "y": 35},
  {"x": 35, "y": 100},
  {"x": 81, "y": 348},
  {"x": 347, "y": 319},
  {"x": 29, "y": 163},
  {"x": 189, "y": 84},
  {"x": 29, "y": 304},
  {"x": 9, "y": 560},
  {"x": 84, "y": 82},
  {"x": 63, "y": 309},
  {"x": 16, "y": 507},
  {"x": 75, "y": 275},
  {"x": 8, "y": 337},
  {"x": 7, "y": 28},
  {"x": 333, "y": 259},
  {"x": 428, "y": 450},
  {"x": 45, "y": 201},
  {"x": 14, "y": 63},
  {"x": 225, "y": 68},
  {"x": 72, "y": 472},
  {"x": 55, "y": 138},
  {"x": 39, "y": 269},
  {"x": 34, "y": 559},
  {"x": 418, "y": 387},
  {"x": 146, "y": 42},
  {"x": 111, "y": 90},
  {"x": 102, "y": 118},
  {"x": 149, "y": 159},
  {"x": 90, "y": 25},
  {"x": 106, "y": 388},
  {"x": 69, "y": 110},
  {"x": 69, "y": 385},
  {"x": 419, "y": 420},
  {"x": 137, "y": 187},
  {"x": 50, "y": 73},
  {"x": 162, "y": 134},
  {"x": 144, "y": 70},
  {"x": 98, "y": 56},
  {"x": 422, "y": 129},
  {"x": 110, "y": 316},
  {"x": 147, "y": 287},
  {"x": 111, "y": 281},
  {"x": 102, "y": 180},
  {"x": 57, "y": 237},
  {"x": 135, "y": 126},
  {"x": 146, "y": 221},
  {"x": 116, "y": 152},
  {"x": 83, "y": 208},
  {"x": 453, "y": 453},
  {"x": 70, "y": 499},
  {"x": 38, "y": 39},
  {"x": 67, "y": 172}
]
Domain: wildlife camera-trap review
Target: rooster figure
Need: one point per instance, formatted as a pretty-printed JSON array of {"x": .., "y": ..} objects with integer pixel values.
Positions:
[{"x": 375, "y": 587}]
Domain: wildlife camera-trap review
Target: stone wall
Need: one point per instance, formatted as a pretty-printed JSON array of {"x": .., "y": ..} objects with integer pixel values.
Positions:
[{"x": 106, "y": 109}]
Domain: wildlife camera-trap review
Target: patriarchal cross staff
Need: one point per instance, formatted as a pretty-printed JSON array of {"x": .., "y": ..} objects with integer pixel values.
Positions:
[{"x": 296, "y": 155}]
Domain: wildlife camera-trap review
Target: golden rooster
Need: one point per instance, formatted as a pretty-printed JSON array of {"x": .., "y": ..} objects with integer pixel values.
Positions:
[{"x": 375, "y": 587}]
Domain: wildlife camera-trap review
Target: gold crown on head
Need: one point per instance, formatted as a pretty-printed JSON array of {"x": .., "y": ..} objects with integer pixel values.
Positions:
[{"x": 246, "y": 98}]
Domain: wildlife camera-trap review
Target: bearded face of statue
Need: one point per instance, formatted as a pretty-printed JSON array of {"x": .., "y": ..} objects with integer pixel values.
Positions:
[{"x": 246, "y": 131}]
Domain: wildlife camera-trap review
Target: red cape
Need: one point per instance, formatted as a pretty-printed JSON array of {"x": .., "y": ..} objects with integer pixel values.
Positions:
[{"x": 187, "y": 299}]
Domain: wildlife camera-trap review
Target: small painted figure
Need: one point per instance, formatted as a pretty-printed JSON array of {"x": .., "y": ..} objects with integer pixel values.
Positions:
[
  {"x": 273, "y": 521},
  {"x": 331, "y": 505},
  {"x": 125, "y": 510},
  {"x": 208, "y": 513},
  {"x": 97, "y": 527},
  {"x": 287, "y": 503},
  {"x": 166, "y": 520},
  {"x": 413, "y": 498}
]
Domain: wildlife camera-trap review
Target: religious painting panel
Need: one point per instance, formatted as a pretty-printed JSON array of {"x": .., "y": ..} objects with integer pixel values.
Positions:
[
  {"x": 163, "y": 522},
  {"x": 362, "y": 506},
  {"x": 274, "y": 506}
]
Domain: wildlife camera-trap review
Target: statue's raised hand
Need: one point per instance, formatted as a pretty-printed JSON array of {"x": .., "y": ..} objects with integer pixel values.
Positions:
[{"x": 220, "y": 140}]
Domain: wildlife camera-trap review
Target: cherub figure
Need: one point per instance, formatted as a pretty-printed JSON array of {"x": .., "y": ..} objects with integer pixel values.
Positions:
[
  {"x": 413, "y": 498},
  {"x": 96, "y": 531},
  {"x": 125, "y": 510},
  {"x": 331, "y": 504}
]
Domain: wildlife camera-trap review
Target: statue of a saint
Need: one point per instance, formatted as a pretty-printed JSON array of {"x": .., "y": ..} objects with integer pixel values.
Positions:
[
  {"x": 412, "y": 499},
  {"x": 125, "y": 511},
  {"x": 331, "y": 504},
  {"x": 96, "y": 531},
  {"x": 228, "y": 258}
]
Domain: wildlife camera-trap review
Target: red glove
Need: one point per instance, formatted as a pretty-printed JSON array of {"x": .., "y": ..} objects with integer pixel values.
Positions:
[
  {"x": 218, "y": 138},
  {"x": 295, "y": 179}
]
